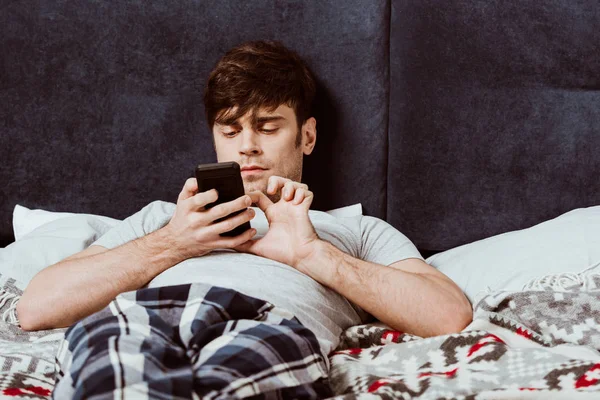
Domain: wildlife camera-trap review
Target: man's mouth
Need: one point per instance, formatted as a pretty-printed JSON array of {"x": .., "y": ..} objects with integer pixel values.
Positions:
[{"x": 252, "y": 170}]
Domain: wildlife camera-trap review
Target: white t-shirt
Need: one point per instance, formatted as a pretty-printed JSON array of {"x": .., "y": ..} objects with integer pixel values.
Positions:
[{"x": 322, "y": 310}]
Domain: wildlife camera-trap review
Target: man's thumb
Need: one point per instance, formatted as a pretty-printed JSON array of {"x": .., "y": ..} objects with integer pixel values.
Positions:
[{"x": 246, "y": 247}]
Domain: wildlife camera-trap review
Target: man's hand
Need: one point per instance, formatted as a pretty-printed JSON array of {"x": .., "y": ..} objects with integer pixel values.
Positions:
[
  {"x": 192, "y": 228},
  {"x": 291, "y": 236}
]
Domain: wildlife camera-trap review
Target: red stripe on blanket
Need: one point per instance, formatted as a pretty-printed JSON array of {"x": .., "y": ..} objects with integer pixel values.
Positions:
[
  {"x": 26, "y": 391},
  {"x": 353, "y": 351},
  {"x": 390, "y": 337},
  {"x": 586, "y": 380},
  {"x": 488, "y": 339},
  {"x": 382, "y": 382},
  {"x": 524, "y": 332},
  {"x": 378, "y": 383},
  {"x": 448, "y": 374}
]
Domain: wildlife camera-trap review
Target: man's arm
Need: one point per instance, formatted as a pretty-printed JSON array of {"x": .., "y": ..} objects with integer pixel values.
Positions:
[
  {"x": 88, "y": 281},
  {"x": 409, "y": 295}
]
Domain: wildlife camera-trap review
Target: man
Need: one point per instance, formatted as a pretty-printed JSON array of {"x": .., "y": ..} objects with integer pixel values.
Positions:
[{"x": 330, "y": 273}]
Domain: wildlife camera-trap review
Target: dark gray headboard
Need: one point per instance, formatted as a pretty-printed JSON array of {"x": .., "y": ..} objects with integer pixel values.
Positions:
[
  {"x": 494, "y": 116},
  {"x": 454, "y": 120},
  {"x": 102, "y": 111}
]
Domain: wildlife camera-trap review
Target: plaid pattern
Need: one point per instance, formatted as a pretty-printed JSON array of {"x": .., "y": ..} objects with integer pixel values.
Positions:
[{"x": 190, "y": 341}]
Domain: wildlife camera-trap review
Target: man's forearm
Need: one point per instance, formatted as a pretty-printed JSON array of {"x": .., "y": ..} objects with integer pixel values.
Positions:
[
  {"x": 415, "y": 303},
  {"x": 72, "y": 289}
]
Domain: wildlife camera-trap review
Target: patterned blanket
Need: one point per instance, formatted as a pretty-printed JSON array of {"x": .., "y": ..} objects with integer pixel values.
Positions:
[
  {"x": 521, "y": 345},
  {"x": 26, "y": 358},
  {"x": 537, "y": 344}
]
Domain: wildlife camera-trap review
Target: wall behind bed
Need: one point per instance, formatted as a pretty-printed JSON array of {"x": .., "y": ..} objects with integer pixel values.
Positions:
[{"x": 101, "y": 102}]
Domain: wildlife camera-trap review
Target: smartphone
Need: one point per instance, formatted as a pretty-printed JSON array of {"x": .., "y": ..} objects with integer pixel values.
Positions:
[{"x": 227, "y": 179}]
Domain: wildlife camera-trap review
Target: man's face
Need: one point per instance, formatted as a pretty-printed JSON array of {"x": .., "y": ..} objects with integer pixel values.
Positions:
[{"x": 274, "y": 146}]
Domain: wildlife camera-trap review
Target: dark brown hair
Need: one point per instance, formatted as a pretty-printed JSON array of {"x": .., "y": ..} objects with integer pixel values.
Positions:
[{"x": 254, "y": 75}]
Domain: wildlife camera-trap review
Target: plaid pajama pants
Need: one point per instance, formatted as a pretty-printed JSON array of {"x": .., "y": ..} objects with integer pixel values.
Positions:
[{"x": 192, "y": 341}]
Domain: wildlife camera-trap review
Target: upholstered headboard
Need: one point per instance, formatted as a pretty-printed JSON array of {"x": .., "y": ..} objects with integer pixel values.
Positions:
[
  {"x": 453, "y": 120},
  {"x": 494, "y": 116}
]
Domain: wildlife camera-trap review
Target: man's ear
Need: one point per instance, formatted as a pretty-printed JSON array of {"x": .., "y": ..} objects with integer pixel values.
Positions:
[{"x": 309, "y": 135}]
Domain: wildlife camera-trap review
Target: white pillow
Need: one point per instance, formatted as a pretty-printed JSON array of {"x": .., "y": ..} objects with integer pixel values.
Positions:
[
  {"x": 354, "y": 210},
  {"x": 49, "y": 244},
  {"x": 569, "y": 243},
  {"x": 26, "y": 220}
]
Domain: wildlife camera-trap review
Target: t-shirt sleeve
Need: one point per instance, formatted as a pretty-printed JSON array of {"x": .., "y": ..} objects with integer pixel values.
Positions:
[
  {"x": 383, "y": 244},
  {"x": 149, "y": 219}
]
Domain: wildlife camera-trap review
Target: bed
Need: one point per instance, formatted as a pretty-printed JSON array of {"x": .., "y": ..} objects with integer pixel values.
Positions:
[{"x": 472, "y": 127}]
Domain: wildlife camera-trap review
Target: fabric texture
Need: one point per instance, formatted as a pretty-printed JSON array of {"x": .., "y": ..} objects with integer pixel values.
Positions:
[
  {"x": 521, "y": 345},
  {"x": 190, "y": 341},
  {"x": 321, "y": 309},
  {"x": 26, "y": 358}
]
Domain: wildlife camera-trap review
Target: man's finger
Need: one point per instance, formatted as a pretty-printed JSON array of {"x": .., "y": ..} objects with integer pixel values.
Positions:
[
  {"x": 243, "y": 239},
  {"x": 276, "y": 182},
  {"x": 289, "y": 190},
  {"x": 247, "y": 246},
  {"x": 189, "y": 189},
  {"x": 308, "y": 198},
  {"x": 200, "y": 200},
  {"x": 260, "y": 199},
  {"x": 232, "y": 222},
  {"x": 299, "y": 196},
  {"x": 224, "y": 209}
]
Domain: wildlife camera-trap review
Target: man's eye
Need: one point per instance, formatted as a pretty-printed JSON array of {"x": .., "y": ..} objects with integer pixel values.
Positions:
[
  {"x": 268, "y": 130},
  {"x": 230, "y": 134}
]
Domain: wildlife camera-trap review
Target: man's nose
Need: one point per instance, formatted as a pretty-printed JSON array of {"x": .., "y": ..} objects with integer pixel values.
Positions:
[{"x": 250, "y": 142}]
